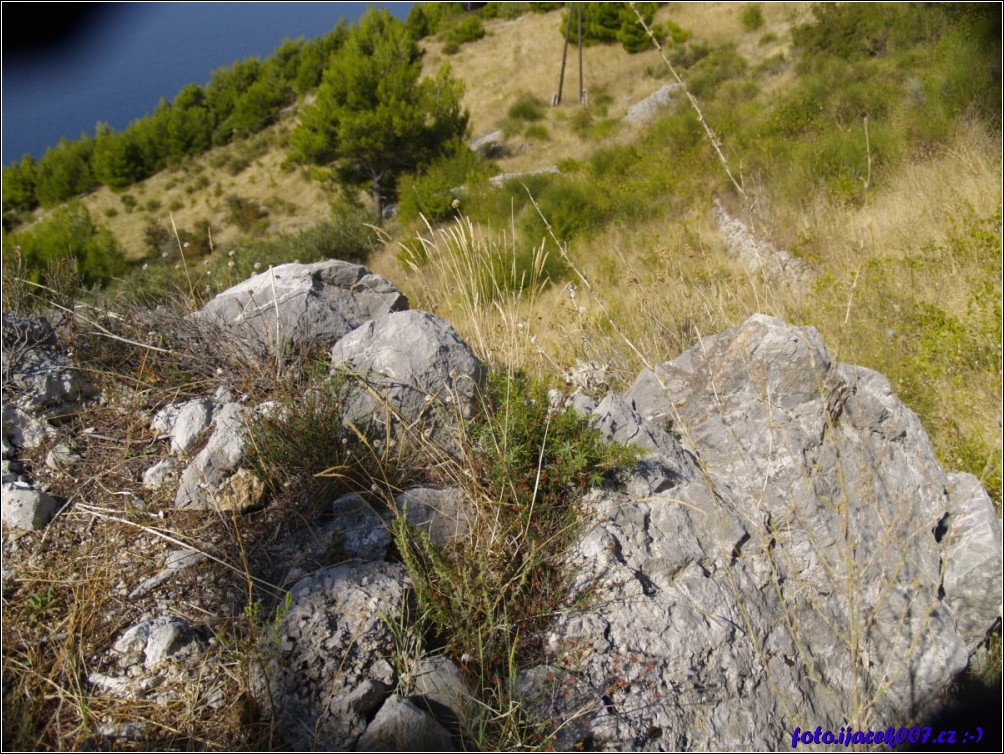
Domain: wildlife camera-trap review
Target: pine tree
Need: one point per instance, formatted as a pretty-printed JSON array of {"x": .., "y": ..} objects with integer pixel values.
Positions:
[{"x": 373, "y": 117}]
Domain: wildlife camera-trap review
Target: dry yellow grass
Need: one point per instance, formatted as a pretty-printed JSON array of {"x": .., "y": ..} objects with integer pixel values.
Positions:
[
  {"x": 524, "y": 56},
  {"x": 198, "y": 191}
]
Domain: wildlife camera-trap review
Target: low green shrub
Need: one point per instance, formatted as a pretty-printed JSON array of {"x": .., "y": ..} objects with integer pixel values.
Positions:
[
  {"x": 467, "y": 29},
  {"x": 244, "y": 213},
  {"x": 431, "y": 193},
  {"x": 752, "y": 17},
  {"x": 303, "y": 443},
  {"x": 528, "y": 467},
  {"x": 569, "y": 207},
  {"x": 719, "y": 65},
  {"x": 67, "y": 232},
  {"x": 537, "y": 132},
  {"x": 527, "y": 107}
]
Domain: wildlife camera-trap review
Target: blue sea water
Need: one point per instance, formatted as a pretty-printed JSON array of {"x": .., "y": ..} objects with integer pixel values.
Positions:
[{"x": 116, "y": 64}]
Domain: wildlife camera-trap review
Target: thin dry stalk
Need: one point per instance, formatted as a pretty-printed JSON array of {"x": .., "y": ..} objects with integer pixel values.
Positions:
[{"x": 712, "y": 137}]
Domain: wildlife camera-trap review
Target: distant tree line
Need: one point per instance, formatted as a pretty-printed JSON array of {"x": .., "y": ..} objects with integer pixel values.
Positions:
[
  {"x": 247, "y": 96},
  {"x": 238, "y": 101}
]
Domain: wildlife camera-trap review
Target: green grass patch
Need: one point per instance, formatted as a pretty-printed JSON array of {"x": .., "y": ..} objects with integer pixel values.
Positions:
[{"x": 490, "y": 599}]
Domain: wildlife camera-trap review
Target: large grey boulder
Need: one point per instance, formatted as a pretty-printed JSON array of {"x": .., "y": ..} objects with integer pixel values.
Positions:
[
  {"x": 799, "y": 556},
  {"x": 328, "y": 673},
  {"x": 412, "y": 367},
  {"x": 303, "y": 304}
]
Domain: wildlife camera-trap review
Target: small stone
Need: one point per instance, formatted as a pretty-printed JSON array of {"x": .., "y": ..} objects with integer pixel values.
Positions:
[
  {"x": 60, "y": 456},
  {"x": 162, "y": 472},
  {"x": 241, "y": 492},
  {"x": 25, "y": 507},
  {"x": 402, "y": 726}
]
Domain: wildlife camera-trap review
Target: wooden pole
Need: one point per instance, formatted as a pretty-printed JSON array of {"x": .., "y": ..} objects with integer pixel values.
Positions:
[
  {"x": 582, "y": 89},
  {"x": 564, "y": 56}
]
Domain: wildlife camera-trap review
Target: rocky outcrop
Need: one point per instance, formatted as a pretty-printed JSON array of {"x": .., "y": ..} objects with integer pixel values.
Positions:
[
  {"x": 208, "y": 480},
  {"x": 759, "y": 256},
  {"x": 648, "y": 108},
  {"x": 328, "y": 677},
  {"x": 414, "y": 368},
  {"x": 303, "y": 304},
  {"x": 792, "y": 553},
  {"x": 788, "y": 551},
  {"x": 38, "y": 376},
  {"x": 40, "y": 387}
]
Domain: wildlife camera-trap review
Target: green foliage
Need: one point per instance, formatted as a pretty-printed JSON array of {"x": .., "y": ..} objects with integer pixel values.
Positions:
[
  {"x": 246, "y": 214},
  {"x": 529, "y": 466},
  {"x": 722, "y": 64},
  {"x": 676, "y": 33},
  {"x": 373, "y": 117},
  {"x": 67, "y": 232},
  {"x": 606, "y": 23},
  {"x": 569, "y": 207},
  {"x": 346, "y": 235},
  {"x": 852, "y": 31},
  {"x": 752, "y": 17},
  {"x": 432, "y": 192},
  {"x": 527, "y": 107},
  {"x": 516, "y": 269},
  {"x": 469, "y": 29},
  {"x": 425, "y": 19},
  {"x": 64, "y": 172},
  {"x": 537, "y": 131},
  {"x": 19, "y": 186},
  {"x": 43, "y": 605},
  {"x": 632, "y": 35},
  {"x": 529, "y": 452},
  {"x": 303, "y": 436}
]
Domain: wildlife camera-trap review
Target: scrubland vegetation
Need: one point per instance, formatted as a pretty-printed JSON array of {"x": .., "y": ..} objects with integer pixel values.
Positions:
[{"x": 865, "y": 139}]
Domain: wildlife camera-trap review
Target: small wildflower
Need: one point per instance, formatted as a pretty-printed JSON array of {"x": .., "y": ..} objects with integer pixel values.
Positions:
[
  {"x": 163, "y": 255},
  {"x": 231, "y": 253},
  {"x": 185, "y": 244},
  {"x": 257, "y": 265},
  {"x": 582, "y": 311},
  {"x": 177, "y": 266},
  {"x": 146, "y": 266},
  {"x": 231, "y": 264},
  {"x": 205, "y": 261}
]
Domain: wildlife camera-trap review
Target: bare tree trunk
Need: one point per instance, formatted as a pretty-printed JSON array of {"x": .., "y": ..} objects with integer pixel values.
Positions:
[{"x": 378, "y": 196}]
